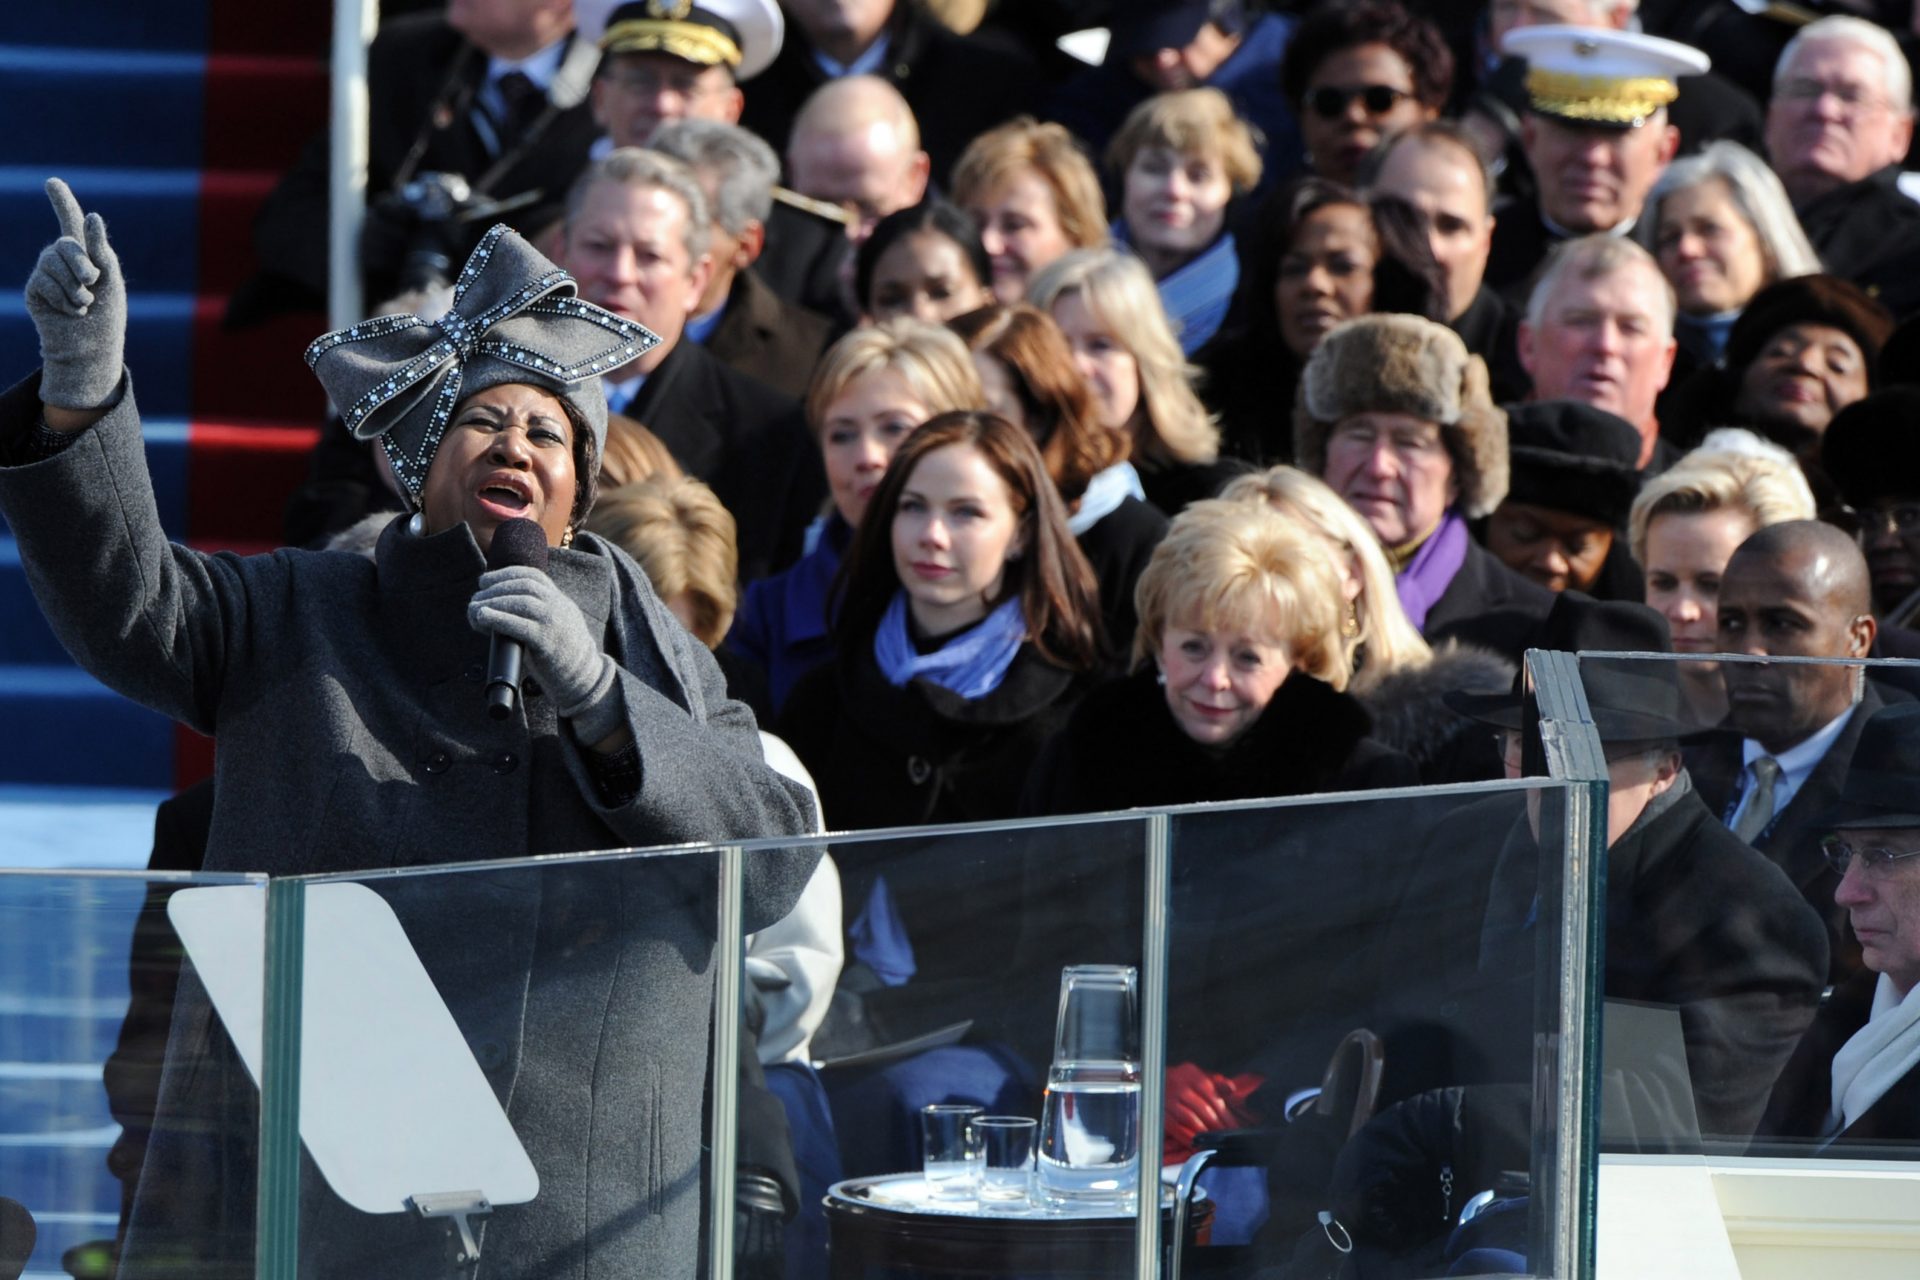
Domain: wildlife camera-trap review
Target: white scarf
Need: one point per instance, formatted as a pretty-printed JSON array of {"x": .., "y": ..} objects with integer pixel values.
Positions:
[{"x": 1878, "y": 1056}]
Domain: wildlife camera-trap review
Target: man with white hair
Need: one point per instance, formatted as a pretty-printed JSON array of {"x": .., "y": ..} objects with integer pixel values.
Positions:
[
  {"x": 1837, "y": 130},
  {"x": 1599, "y": 330}
]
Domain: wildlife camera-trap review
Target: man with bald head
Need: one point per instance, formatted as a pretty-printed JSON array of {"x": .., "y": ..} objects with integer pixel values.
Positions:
[
  {"x": 1774, "y": 770},
  {"x": 857, "y": 145}
]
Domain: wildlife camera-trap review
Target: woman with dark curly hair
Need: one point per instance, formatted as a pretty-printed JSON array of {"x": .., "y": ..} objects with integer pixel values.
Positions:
[{"x": 1358, "y": 72}]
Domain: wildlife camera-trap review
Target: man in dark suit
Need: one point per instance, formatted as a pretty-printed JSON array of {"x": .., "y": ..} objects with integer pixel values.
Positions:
[
  {"x": 958, "y": 86},
  {"x": 1854, "y": 1082},
  {"x": 494, "y": 93},
  {"x": 739, "y": 319},
  {"x": 1838, "y": 128},
  {"x": 637, "y": 241},
  {"x": 1773, "y": 771},
  {"x": 1695, "y": 920}
]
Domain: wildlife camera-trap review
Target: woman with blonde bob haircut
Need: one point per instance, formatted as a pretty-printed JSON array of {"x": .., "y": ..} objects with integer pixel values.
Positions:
[
  {"x": 870, "y": 391},
  {"x": 1392, "y": 669},
  {"x": 1106, "y": 304},
  {"x": 1237, "y": 691},
  {"x": 1685, "y": 526},
  {"x": 1035, "y": 195},
  {"x": 1182, "y": 159}
]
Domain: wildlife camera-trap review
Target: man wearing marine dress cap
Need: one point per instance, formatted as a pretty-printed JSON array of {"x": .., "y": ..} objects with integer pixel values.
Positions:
[{"x": 1596, "y": 136}]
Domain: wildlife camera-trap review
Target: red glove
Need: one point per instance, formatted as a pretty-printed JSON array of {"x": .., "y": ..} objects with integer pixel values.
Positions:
[{"x": 1200, "y": 1101}]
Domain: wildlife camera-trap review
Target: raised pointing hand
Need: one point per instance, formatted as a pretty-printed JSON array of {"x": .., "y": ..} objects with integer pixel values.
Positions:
[{"x": 78, "y": 301}]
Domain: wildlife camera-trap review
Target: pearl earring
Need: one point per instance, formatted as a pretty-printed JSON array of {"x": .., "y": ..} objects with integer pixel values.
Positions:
[{"x": 417, "y": 524}]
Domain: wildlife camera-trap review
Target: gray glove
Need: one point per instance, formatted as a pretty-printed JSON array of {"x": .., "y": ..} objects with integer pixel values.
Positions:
[
  {"x": 78, "y": 301},
  {"x": 522, "y": 603}
]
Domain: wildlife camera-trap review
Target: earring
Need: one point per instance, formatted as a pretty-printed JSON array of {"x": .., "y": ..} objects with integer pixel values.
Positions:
[
  {"x": 417, "y": 524},
  {"x": 1160, "y": 678},
  {"x": 566, "y": 536},
  {"x": 1350, "y": 625}
]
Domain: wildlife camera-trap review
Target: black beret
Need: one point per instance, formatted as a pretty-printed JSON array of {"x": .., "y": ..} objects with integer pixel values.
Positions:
[
  {"x": 1827, "y": 300},
  {"x": 1565, "y": 455},
  {"x": 1871, "y": 449}
]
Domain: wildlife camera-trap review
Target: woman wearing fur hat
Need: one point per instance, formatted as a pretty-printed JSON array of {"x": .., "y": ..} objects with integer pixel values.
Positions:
[
  {"x": 355, "y": 735},
  {"x": 1395, "y": 416}
]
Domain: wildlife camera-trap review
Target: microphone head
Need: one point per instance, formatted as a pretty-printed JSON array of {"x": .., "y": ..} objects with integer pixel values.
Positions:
[{"x": 519, "y": 541}]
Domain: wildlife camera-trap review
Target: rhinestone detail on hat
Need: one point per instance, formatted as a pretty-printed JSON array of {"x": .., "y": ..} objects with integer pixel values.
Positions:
[{"x": 459, "y": 337}]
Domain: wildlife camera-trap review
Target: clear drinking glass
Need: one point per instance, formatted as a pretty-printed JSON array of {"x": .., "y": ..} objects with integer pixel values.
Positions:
[
  {"x": 950, "y": 1157},
  {"x": 1005, "y": 1144},
  {"x": 1090, "y": 1123}
]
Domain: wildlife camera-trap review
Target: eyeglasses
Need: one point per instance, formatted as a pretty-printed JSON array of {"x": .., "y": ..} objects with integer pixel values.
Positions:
[
  {"x": 1851, "y": 96},
  {"x": 1902, "y": 518},
  {"x": 1330, "y": 103},
  {"x": 1839, "y": 854}
]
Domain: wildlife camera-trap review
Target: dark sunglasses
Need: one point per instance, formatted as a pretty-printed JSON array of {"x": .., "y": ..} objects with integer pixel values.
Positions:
[
  {"x": 1330, "y": 103},
  {"x": 1839, "y": 853}
]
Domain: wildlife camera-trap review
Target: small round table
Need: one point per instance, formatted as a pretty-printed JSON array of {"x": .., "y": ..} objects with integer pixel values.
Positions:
[{"x": 892, "y": 1222}]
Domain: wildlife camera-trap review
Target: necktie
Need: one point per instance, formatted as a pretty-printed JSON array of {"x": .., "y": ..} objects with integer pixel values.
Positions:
[
  {"x": 1759, "y": 811},
  {"x": 522, "y": 99}
]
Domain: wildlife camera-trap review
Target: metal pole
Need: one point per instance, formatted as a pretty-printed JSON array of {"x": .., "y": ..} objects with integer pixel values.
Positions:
[
  {"x": 730, "y": 953},
  {"x": 1153, "y": 1040},
  {"x": 354, "y": 22}
]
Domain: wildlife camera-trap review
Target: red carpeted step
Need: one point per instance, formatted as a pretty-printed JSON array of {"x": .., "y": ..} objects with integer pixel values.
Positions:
[
  {"x": 258, "y": 373},
  {"x": 247, "y": 26},
  {"x": 228, "y": 202},
  {"x": 239, "y": 477},
  {"x": 260, "y": 112}
]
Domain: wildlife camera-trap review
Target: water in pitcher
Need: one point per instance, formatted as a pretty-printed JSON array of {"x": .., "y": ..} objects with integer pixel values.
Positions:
[{"x": 1090, "y": 1134}]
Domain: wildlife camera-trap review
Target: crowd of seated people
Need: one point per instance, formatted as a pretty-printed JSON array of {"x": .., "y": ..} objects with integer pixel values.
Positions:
[{"x": 1226, "y": 421}]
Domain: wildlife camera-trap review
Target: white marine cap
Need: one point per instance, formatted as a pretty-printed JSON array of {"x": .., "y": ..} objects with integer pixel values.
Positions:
[
  {"x": 1600, "y": 78},
  {"x": 742, "y": 34}
]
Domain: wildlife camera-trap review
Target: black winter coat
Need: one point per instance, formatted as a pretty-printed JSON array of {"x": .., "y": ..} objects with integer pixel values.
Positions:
[
  {"x": 1888, "y": 1130},
  {"x": 1118, "y": 546},
  {"x": 1263, "y": 918}
]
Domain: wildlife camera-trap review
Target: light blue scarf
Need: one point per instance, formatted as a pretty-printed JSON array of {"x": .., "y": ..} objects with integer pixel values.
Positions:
[
  {"x": 1105, "y": 492},
  {"x": 972, "y": 664}
]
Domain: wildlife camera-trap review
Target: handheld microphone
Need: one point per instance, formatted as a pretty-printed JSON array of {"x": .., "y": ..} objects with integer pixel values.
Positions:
[{"x": 514, "y": 542}]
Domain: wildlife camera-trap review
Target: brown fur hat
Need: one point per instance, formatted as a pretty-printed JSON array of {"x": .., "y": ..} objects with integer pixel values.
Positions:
[{"x": 1403, "y": 364}]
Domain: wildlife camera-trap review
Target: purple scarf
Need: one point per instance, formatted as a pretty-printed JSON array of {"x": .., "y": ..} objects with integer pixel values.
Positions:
[{"x": 1425, "y": 579}]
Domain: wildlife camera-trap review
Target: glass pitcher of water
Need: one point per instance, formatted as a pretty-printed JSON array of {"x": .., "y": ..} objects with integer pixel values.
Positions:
[{"x": 1090, "y": 1124}]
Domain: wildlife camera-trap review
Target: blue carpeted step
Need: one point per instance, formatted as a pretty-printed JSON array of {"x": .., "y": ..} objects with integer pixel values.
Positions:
[
  {"x": 107, "y": 24},
  {"x": 153, "y": 216},
  {"x": 159, "y": 349},
  {"x": 167, "y": 456},
  {"x": 66, "y": 728},
  {"x": 68, "y": 108}
]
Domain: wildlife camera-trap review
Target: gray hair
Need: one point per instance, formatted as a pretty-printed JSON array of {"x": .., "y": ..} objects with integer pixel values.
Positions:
[
  {"x": 1756, "y": 192},
  {"x": 1589, "y": 258},
  {"x": 637, "y": 167},
  {"x": 742, "y": 167},
  {"x": 1874, "y": 38}
]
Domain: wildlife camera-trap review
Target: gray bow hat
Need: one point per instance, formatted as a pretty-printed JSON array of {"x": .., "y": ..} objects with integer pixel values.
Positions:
[{"x": 515, "y": 318}]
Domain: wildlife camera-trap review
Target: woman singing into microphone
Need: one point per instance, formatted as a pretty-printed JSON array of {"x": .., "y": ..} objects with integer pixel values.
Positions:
[{"x": 347, "y": 696}]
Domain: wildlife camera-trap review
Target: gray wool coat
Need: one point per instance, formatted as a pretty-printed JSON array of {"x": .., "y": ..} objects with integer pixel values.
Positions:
[{"x": 347, "y": 699}]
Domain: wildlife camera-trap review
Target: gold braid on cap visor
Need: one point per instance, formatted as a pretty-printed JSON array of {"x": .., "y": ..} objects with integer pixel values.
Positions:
[
  {"x": 1602, "y": 99},
  {"x": 691, "y": 41}
]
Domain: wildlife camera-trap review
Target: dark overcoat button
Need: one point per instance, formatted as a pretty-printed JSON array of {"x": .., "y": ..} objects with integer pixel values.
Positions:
[
  {"x": 438, "y": 762},
  {"x": 504, "y": 763},
  {"x": 475, "y": 673},
  {"x": 918, "y": 770}
]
